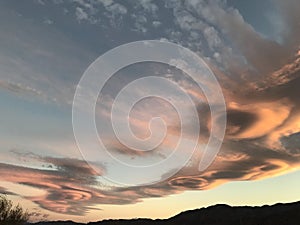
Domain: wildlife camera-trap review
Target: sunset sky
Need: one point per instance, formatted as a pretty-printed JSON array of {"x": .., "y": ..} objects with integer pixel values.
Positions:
[{"x": 252, "y": 48}]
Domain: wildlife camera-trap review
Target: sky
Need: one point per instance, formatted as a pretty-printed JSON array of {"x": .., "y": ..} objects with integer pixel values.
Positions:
[{"x": 46, "y": 46}]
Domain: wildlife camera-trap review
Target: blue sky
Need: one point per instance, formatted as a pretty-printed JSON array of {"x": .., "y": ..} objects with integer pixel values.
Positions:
[{"x": 45, "y": 47}]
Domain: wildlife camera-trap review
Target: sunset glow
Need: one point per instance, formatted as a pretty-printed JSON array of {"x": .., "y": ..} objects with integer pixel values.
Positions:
[{"x": 48, "y": 47}]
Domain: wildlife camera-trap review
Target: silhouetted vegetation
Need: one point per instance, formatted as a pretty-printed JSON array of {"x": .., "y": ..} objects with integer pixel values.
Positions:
[{"x": 11, "y": 214}]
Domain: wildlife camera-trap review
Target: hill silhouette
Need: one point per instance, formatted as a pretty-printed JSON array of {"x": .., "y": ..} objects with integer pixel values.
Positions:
[{"x": 279, "y": 214}]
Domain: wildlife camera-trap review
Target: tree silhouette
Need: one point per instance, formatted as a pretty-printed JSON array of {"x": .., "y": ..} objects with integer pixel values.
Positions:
[{"x": 10, "y": 214}]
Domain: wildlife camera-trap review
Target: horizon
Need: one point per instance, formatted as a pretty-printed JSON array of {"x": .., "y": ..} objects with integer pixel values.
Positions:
[
  {"x": 180, "y": 213},
  {"x": 117, "y": 109}
]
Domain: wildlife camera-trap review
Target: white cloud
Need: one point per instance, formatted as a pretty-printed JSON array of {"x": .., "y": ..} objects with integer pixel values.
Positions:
[
  {"x": 149, "y": 6},
  {"x": 48, "y": 21},
  {"x": 20, "y": 88},
  {"x": 81, "y": 14},
  {"x": 83, "y": 3},
  {"x": 116, "y": 9},
  {"x": 212, "y": 37},
  {"x": 140, "y": 21},
  {"x": 106, "y": 3},
  {"x": 41, "y": 2}
]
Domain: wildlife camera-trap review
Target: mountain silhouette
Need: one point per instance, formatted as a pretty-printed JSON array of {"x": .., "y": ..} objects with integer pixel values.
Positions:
[{"x": 279, "y": 214}]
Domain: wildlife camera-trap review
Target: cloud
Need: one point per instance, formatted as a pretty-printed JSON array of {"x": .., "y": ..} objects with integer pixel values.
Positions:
[
  {"x": 81, "y": 14},
  {"x": 156, "y": 23},
  {"x": 260, "y": 80},
  {"x": 267, "y": 54},
  {"x": 258, "y": 119},
  {"x": 68, "y": 184},
  {"x": 116, "y": 9},
  {"x": 149, "y": 6},
  {"x": 72, "y": 187},
  {"x": 140, "y": 21},
  {"x": 291, "y": 143},
  {"x": 19, "y": 88},
  {"x": 220, "y": 33},
  {"x": 288, "y": 11},
  {"x": 40, "y": 2},
  {"x": 51, "y": 67},
  {"x": 48, "y": 22},
  {"x": 261, "y": 141}
]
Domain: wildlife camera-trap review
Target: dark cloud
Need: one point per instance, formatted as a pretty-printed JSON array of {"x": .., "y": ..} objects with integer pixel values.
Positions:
[
  {"x": 189, "y": 182},
  {"x": 289, "y": 11},
  {"x": 68, "y": 184},
  {"x": 4, "y": 191},
  {"x": 239, "y": 121},
  {"x": 292, "y": 143}
]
